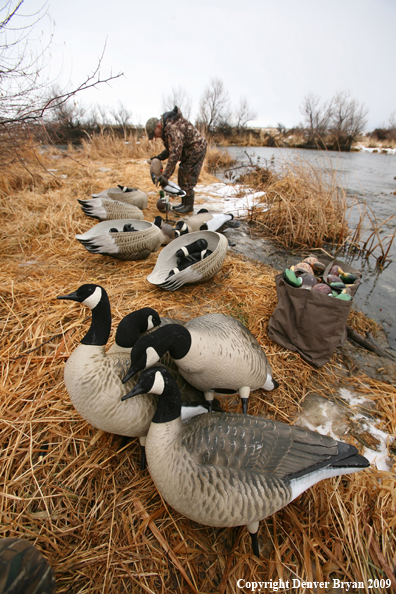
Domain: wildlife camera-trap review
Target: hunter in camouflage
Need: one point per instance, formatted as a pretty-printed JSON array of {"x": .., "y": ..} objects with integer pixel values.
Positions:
[{"x": 184, "y": 143}]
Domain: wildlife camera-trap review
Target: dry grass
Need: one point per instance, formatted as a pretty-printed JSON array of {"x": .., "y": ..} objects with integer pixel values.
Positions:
[
  {"x": 217, "y": 159},
  {"x": 82, "y": 500},
  {"x": 305, "y": 208}
]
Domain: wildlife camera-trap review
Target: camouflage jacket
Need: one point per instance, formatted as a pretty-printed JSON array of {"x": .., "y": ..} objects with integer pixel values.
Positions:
[{"x": 181, "y": 139}]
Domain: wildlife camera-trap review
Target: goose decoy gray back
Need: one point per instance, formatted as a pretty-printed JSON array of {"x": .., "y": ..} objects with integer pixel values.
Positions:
[
  {"x": 228, "y": 469},
  {"x": 214, "y": 352},
  {"x": 132, "y": 196},
  {"x": 138, "y": 245},
  {"x": 105, "y": 209}
]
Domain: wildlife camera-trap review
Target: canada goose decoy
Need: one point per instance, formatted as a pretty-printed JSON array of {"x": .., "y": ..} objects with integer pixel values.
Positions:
[
  {"x": 228, "y": 469},
  {"x": 199, "y": 272},
  {"x": 166, "y": 230},
  {"x": 202, "y": 221},
  {"x": 93, "y": 378},
  {"x": 132, "y": 196},
  {"x": 214, "y": 352},
  {"x": 109, "y": 239},
  {"x": 105, "y": 209}
]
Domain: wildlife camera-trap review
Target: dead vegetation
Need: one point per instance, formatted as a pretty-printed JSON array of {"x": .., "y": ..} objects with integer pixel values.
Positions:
[{"x": 72, "y": 490}]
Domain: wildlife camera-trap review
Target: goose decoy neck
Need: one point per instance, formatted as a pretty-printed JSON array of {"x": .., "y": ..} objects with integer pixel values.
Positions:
[
  {"x": 94, "y": 297},
  {"x": 157, "y": 380},
  {"x": 134, "y": 324},
  {"x": 172, "y": 338},
  {"x": 148, "y": 350}
]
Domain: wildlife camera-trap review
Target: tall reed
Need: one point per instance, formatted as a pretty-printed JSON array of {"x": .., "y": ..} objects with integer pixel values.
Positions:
[{"x": 302, "y": 207}]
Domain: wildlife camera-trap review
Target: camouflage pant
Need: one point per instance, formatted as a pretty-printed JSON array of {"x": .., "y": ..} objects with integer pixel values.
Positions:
[
  {"x": 190, "y": 168},
  {"x": 23, "y": 569}
]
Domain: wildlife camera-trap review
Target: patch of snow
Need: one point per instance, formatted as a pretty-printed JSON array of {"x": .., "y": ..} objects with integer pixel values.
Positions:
[
  {"x": 379, "y": 150},
  {"x": 223, "y": 197},
  {"x": 353, "y": 399},
  {"x": 326, "y": 416}
]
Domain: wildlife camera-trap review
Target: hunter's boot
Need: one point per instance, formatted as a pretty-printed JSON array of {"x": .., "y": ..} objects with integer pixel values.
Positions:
[
  {"x": 181, "y": 205},
  {"x": 187, "y": 206}
]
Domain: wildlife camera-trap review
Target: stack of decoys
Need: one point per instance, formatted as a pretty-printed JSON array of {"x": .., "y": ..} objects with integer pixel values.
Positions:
[
  {"x": 125, "y": 194},
  {"x": 190, "y": 271},
  {"x": 120, "y": 202},
  {"x": 308, "y": 274},
  {"x": 205, "y": 221},
  {"x": 189, "y": 255},
  {"x": 124, "y": 239}
]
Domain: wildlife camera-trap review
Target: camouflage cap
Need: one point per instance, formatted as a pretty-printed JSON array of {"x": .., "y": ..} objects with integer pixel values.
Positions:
[{"x": 151, "y": 125}]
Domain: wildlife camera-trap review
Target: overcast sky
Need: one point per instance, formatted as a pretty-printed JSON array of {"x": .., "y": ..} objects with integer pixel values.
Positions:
[{"x": 273, "y": 52}]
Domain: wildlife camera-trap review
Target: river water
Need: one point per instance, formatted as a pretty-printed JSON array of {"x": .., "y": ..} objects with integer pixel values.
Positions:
[{"x": 371, "y": 177}]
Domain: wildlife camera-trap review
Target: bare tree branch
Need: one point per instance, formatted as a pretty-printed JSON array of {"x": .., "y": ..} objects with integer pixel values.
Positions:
[
  {"x": 243, "y": 114},
  {"x": 214, "y": 107},
  {"x": 21, "y": 71},
  {"x": 179, "y": 97}
]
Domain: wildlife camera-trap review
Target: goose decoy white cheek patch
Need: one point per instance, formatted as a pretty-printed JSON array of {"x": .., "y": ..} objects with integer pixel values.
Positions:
[
  {"x": 151, "y": 357},
  {"x": 159, "y": 384},
  {"x": 93, "y": 300}
]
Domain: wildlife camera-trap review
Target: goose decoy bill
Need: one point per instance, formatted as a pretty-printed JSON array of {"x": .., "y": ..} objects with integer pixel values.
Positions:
[{"x": 229, "y": 469}]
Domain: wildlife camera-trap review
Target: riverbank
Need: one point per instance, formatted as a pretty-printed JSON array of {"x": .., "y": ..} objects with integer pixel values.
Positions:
[{"x": 78, "y": 493}]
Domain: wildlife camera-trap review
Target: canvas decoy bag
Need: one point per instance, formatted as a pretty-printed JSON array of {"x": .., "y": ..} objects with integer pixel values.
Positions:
[{"x": 311, "y": 323}]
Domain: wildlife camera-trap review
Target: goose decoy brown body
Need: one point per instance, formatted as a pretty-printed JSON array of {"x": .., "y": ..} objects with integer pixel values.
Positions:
[
  {"x": 132, "y": 196},
  {"x": 93, "y": 378},
  {"x": 203, "y": 221},
  {"x": 105, "y": 209},
  {"x": 215, "y": 353},
  {"x": 229, "y": 469}
]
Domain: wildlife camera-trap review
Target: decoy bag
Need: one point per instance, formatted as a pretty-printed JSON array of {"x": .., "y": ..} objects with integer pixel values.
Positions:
[{"x": 310, "y": 323}]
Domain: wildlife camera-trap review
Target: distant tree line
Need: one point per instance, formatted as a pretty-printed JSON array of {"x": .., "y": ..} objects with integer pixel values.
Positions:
[
  {"x": 31, "y": 105},
  {"x": 215, "y": 116},
  {"x": 334, "y": 124}
]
